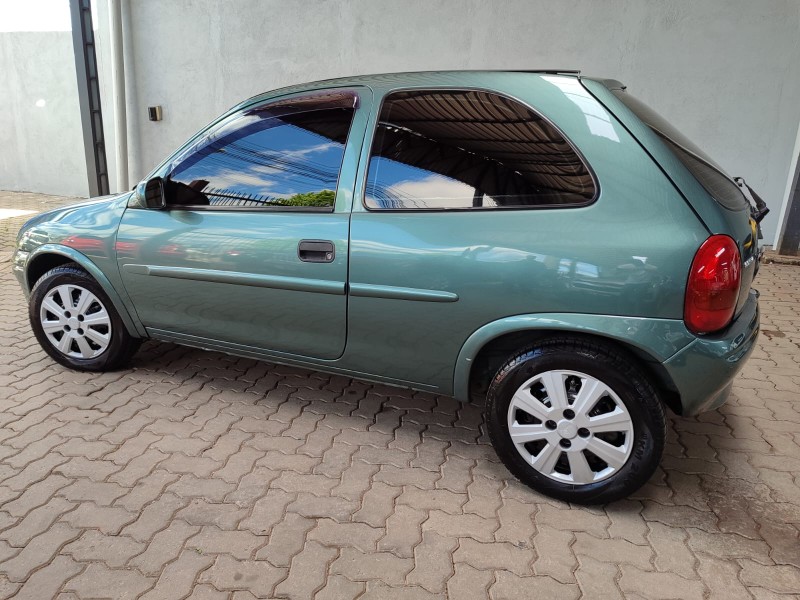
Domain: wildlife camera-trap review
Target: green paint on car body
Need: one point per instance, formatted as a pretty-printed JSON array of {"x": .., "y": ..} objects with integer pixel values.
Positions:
[{"x": 412, "y": 297}]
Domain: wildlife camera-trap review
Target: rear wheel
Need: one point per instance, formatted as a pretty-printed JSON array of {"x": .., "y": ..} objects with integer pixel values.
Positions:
[
  {"x": 76, "y": 323},
  {"x": 576, "y": 420}
]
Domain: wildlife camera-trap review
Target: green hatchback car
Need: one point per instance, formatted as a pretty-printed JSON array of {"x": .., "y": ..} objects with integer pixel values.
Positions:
[{"x": 539, "y": 240}]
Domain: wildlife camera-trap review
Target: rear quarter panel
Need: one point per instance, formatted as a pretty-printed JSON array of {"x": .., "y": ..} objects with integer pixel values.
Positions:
[
  {"x": 626, "y": 254},
  {"x": 718, "y": 219}
]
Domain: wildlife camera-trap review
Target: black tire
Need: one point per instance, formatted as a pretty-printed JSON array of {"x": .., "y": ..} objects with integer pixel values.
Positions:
[
  {"x": 121, "y": 347},
  {"x": 615, "y": 369}
]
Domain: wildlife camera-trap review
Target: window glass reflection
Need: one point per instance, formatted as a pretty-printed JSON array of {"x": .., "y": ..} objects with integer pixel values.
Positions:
[
  {"x": 287, "y": 157},
  {"x": 710, "y": 175},
  {"x": 470, "y": 149}
]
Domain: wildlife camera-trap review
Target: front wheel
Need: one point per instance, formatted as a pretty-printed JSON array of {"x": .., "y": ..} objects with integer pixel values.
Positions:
[
  {"x": 76, "y": 323},
  {"x": 576, "y": 420}
]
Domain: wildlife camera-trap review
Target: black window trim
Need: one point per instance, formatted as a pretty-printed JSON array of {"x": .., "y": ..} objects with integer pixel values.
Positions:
[
  {"x": 668, "y": 142},
  {"x": 665, "y": 140},
  {"x": 276, "y": 208},
  {"x": 476, "y": 209},
  {"x": 281, "y": 102}
]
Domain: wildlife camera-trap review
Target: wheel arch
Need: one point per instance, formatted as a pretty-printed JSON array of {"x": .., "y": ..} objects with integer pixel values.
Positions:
[
  {"x": 49, "y": 256},
  {"x": 648, "y": 341}
]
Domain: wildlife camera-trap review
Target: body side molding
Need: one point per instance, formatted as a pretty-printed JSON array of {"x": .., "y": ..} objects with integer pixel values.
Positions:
[{"x": 298, "y": 284}]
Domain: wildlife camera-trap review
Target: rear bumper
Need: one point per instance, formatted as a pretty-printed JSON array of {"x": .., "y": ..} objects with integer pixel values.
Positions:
[{"x": 703, "y": 372}]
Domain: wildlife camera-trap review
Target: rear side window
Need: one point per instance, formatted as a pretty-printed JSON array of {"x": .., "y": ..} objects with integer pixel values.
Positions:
[
  {"x": 710, "y": 175},
  {"x": 461, "y": 149}
]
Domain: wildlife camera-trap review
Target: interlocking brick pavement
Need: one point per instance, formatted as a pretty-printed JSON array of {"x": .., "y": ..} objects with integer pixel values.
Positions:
[{"x": 200, "y": 475}]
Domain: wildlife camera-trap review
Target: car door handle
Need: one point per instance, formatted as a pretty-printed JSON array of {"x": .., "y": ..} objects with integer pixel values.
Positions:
[{"x": 319, "y": 251}]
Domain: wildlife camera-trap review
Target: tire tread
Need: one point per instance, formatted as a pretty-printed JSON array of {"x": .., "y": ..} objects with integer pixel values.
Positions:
[
  {"x": 596, "y": 350},
  {"x": 113, "y": 360}
]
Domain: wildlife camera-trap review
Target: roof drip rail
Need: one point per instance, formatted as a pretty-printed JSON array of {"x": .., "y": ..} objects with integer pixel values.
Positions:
[{"x": 549, "y": 71}]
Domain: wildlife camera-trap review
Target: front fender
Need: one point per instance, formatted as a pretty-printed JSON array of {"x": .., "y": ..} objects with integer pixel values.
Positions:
[
  {"x": 659, "y": 338},
  {"x": 132, "y": 325}
]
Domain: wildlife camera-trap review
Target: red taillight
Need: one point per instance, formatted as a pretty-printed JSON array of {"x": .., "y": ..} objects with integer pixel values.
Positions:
[{"x": 713, "y": 286}]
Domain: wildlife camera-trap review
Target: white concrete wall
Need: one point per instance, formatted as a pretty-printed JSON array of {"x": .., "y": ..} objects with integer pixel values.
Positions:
[
  {"x": 41, "y": 137},
  {"x": 41, "y": 145},
  {"x": 726, "y": 72}
]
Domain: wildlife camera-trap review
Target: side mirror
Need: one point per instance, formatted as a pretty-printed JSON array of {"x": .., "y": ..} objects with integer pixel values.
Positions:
[{"x": 151, "y": 193}]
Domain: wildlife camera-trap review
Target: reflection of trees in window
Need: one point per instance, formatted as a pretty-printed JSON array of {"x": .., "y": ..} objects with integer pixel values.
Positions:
[
  {"x": 324, "y": 198},
  {"x": 274, "y": 160}
]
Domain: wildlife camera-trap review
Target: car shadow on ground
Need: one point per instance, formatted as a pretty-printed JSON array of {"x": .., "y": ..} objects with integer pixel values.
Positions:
[{"x": 705, "y": 481}]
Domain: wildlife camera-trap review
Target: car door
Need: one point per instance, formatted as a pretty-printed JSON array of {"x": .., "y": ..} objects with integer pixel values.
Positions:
[{"x": 251, "y": 250}]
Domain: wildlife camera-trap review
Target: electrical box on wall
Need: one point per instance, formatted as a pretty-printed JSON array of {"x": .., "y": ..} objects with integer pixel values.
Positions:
[{"x": 154, "y": 113}]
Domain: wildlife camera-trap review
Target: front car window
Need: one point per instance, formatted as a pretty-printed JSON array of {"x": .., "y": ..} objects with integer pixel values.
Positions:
[
  {"x": 710, "y": 175},
  {"x": 456, "y": 149},
  {"x": 286, "y": 154}
]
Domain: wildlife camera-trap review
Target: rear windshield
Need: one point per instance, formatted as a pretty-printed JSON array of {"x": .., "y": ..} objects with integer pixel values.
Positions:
[{"x": 710, "y": 175}]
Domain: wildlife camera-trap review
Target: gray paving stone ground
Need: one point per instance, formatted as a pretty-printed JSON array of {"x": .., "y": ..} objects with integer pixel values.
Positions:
[{"x": 199, "y": 475}]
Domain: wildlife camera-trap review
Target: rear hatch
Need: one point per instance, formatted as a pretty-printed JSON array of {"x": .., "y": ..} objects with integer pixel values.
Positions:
[{"x": 725, "y": 205}]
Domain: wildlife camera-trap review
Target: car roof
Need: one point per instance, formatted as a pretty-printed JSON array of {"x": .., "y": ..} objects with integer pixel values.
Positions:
[{"x": 395, "y": 78}]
